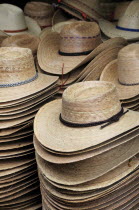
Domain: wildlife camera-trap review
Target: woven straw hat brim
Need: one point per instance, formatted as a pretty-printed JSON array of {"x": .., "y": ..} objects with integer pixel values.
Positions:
[
  {"x": 110, "y": 74},
  {"x": 110, "y": 30},
  {"x": 66, "y": 139},
  {"x": 104, "y": 202},
  {"x": 69, "y": 158},
  {"x": 29, "y": 105},
  {"x": 106, "y": 180},
  {"x": 90, "y": 169},
  {"x": 15, "y": 93},
  {"x": 51, "y": 62},
  {"x": 122, "y": 199},
  {"x": 21, "y": 101}
]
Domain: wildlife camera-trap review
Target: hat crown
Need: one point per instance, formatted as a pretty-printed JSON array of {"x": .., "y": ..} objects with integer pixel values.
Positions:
[
  {"x": 16, "y": 65},
  {"x": 120, "y": 9},
  {"x": 89, "y": 102},
  {"x": 130, "y": 19},
  {"x": 11, "y": 18},
  {"x": 128, "y": 64},
  {"x": 38, "y": 9},
  {"x": 80, "y": 36}
]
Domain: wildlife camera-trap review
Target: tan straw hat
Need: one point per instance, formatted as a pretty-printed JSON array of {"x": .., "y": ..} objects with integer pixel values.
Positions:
[
  {"x": 88, "y": 9},
  {"x": 71, "y": 48},
  {"x": 127, "y": 26},
  {"x": 22, "y": 40},
  {"x": 19, "y": 24},
  {"x": 18, "y": 76},
  {"x": 88, "y": 109},
  {"x": 124, "y": 72},
  {"x": 41, "y": 12}
]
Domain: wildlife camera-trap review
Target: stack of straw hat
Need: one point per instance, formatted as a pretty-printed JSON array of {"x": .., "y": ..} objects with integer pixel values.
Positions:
[
  {"x": 124, "y": 73},
  {"x": 22, "y": 92},
  {"x": 77, "y": 53},
  {"x": 41, "y": 12},
  {"x": 87, "y": 150}
]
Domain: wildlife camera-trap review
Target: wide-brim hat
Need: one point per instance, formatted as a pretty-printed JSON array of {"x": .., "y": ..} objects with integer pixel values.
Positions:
[
  {"x": 3, "y": 36},
  {"x": 127, "y": 26},
  {"x": 51, "y": 61},
  {"x": 88, "y": 169},
  {"x": 89, "y": 136},
  {"x": 110, "y": 74}
]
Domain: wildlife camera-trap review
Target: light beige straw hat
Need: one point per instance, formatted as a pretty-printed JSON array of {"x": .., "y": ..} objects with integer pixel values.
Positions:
[
  {"x": 71, "y": 48},
  {"x": 18, "y": 76},
  {"x": 124, "y": 72},
  {"x": 22, "y": 40},
  {"x": 88, "y": 9},
  {"x": 19, "y": 24},
  {"x": 41, "y": 12},
  {"x": 127, "y": 26},
  {"x": 84, "y": 108}
]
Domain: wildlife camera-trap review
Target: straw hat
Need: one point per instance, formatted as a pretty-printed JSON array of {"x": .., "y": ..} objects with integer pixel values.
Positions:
[
  {"x": 83, "y": 105},
  {"x": 18, "y": 76},
  {"x": 71, "y": 11},
  {"x": 42, "y": 12},
  {"x": 19, "y": 24},
  {"x": 127, "y": 26},
  {"x": 22, "y": 40},
  {"x": 124, "y": 72},
  {"x": 72, "y": 47},
  {"x": 88, "y": 9}
]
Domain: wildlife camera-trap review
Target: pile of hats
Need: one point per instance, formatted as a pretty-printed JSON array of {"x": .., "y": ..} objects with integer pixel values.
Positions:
[
  {"x": 87, "y": 150},
  {"x": 22, "y": 92},
  {"x": 124, "y": 73},
  {"x": 77, "y": 53}
]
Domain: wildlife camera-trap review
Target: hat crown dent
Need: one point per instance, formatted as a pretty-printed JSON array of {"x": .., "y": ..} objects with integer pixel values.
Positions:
[
  {"x": 130, "y": 19},
  {"x": 128, "y": 64},
  {"x": 11, "y": 18},
  {"x": 90, "y": 102},
  {"x": 16, "y": 65},
  {"x": 80, "y": 36}
]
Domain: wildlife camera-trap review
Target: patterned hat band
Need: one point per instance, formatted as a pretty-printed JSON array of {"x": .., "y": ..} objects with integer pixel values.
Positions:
[{"x": 20, "y": 83}]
